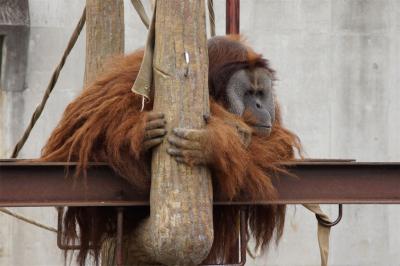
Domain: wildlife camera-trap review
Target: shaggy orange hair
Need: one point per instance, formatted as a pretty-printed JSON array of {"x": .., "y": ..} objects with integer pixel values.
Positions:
[{"x": 104, "y": 124}]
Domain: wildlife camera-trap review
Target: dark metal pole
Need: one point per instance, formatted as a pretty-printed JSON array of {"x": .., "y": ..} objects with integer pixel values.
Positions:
[
  {"x": 232, "y": 16},
  {"x": 118, "y": 250}
]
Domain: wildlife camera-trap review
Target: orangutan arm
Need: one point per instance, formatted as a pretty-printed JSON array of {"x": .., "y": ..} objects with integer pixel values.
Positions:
[
  {"x": 241, "y": 163},
  {"x": 221, "y": 147}
]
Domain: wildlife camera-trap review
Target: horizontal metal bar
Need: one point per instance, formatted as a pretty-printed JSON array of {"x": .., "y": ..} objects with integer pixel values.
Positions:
[{"x": 27, "y": 183}]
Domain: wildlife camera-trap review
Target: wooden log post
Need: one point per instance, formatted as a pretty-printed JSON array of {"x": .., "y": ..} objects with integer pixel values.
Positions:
[
  {"x": 104, "y": 34},
  {"x": 179, "y": 230},
  {"x": 104, "y": 37},
  {"x": 181, "y": 196}
]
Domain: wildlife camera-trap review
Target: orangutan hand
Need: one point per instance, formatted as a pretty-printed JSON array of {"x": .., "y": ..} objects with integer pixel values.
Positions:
[
  {"x": 244, "y": 133},
  {"x": 189, "y": 146},
  {"x": 154, "y": 130}
]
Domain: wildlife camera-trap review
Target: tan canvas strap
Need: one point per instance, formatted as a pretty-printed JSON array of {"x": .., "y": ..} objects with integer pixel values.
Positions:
[
  {"x": 323, "y": 232},
  {"x": 143, "y": 82}
]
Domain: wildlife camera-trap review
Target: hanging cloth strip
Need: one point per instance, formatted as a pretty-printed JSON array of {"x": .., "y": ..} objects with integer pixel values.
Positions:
[
  {"x": 323, "y": 232},
  {"x": 144, "y": 80}
]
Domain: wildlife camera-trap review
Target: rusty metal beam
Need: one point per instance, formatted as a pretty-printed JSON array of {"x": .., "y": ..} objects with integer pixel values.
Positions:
[
  {"x": 25, "y": 183},
  {"x": 232, "y": 16}
]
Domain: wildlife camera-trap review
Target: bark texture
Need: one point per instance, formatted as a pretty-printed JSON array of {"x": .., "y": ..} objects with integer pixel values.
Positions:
[
  {"x": 104, "y": 34},
  {"x": 104, "y": 37},
  {"x": 180, "y": 228}
]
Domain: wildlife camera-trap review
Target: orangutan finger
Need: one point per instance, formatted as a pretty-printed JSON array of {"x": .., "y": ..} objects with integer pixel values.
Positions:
[
  {"x": 184, "y": 160},
  {"x": 183, "y": 143},
  {"x": 245, "y": 136},
  {"x": 154, "y": 133},
  {"x": 185, "y": 153},
  {"x": 174, "y": 152},
  {"x": 187, "y": 161},
  {"x": 191, "y": 157},
  {"x": 148, "y": 144},
  {"x": 154, "y": 115},
  {"x": 207, "y": 118},
  {"x": 159, "y": 123},
  {"x": 193, "y": 154},
  {"x": 190, "y": 134},
  {"x": 181, "y": 160}
]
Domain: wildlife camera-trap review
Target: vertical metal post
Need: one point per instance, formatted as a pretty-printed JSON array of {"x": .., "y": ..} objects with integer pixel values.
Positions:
[
  {"x": 232, "y": 16},
  {"x": 118, "y": 250},
  {"x": 243, "y": 236}
]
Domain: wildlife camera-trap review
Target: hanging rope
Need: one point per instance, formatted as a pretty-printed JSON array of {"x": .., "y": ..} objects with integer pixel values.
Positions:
[
  {"x": 39, "y": 110},
  {"x": 22, "y": 218},
  {"x": 50, "y": 87},
  {"x": 211, "y": 16},
  {"x": 137, "y": 4}
]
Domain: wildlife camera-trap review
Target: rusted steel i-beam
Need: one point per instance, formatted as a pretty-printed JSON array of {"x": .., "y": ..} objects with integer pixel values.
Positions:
[
  {"x": 232, "y": 16},
  {"x": 25, "y": 183}
]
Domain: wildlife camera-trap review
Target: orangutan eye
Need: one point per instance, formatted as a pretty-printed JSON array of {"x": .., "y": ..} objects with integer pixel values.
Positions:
[
  {"x": 249, "y": 93},
  {"x": 260, "y": 94}
]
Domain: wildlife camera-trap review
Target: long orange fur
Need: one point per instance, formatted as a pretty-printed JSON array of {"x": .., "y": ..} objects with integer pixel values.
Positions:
[{"x": 104, "y": 124}]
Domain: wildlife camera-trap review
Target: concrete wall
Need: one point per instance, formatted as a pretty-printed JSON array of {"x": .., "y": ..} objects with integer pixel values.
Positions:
[{"x": 338, "y": 64}]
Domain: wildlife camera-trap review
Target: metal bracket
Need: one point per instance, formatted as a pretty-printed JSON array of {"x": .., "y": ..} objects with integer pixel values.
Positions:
[
  {"x": 242, "y": 242},
  {"x": 66, "y": 246},
  {"x": 322, "y": 222},
  {"x": 60, "y": 233},
  {"x": 118, "y": 251}
]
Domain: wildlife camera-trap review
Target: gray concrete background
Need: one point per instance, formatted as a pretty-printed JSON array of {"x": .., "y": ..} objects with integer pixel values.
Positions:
[{"x": 338, "y": 64}]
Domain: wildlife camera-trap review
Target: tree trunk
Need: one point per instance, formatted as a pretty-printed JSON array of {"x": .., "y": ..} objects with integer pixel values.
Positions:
[
  {"x": 181, "y": 196},
  {"x": 179, "y": 230},
  {"x": 104, "y": 37},
  {"x": 104, "y": 34}
]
